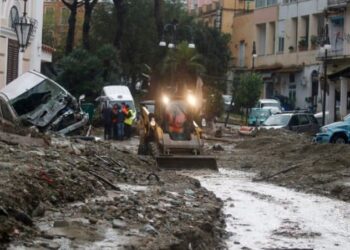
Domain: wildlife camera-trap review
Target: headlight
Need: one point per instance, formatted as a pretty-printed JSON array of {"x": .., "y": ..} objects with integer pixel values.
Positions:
[
  {"x": 191, "y": 100},
  {"x": 324, "y": 129},
  {"x": 165, "y": 99}
]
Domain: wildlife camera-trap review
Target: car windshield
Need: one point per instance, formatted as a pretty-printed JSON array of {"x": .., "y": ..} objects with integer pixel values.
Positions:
[
  {"x": 347, "y": 118},
  {"x": 45, "y": 93},
  {"x": 259, "y": 112},
  {"x": 270, "y": 105},
  {"x": 277, "y": 120}
]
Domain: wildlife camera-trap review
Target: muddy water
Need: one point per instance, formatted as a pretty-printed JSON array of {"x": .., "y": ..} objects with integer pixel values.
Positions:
[{"x": 264, "y": 216}]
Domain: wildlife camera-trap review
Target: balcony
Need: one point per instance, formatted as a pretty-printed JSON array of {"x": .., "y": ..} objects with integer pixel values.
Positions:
[
  {"x": 288, "y": 59},
  {"x": 337, "y": 3}
]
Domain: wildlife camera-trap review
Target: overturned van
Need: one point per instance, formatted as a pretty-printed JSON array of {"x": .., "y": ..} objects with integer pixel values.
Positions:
[{"x": 35, "y": 100}]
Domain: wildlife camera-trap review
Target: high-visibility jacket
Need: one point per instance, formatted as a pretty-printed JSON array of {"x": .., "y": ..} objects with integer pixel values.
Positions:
[{"x": 130, "y": 117}]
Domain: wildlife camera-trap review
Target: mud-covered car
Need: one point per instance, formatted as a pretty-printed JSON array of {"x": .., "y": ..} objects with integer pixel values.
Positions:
[
  {"x": 295, "y": 121},
  {"x": 337, "y": 132},
  {"x": 35, "y": 100}
]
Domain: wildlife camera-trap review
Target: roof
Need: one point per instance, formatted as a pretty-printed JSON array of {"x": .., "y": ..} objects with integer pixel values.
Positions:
[
  {"x": 268, "y": 101},
  {"x": 117, "y": 92},
  {"x": 22, "y": 84}
]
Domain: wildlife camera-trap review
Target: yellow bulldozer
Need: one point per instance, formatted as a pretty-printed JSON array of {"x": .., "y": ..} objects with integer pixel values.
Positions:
[{"x": 168, "y": 131}]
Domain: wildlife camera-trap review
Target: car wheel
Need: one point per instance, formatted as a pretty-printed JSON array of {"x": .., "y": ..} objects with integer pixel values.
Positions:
[{"x": 339, "y": 139}]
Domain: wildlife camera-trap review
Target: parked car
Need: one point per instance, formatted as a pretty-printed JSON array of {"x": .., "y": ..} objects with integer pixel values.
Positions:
[
  {"x": 257, "y": 116},
  {"x": 298, "y": 122},
  {"x": 337, "y": 132},
  {"x": 35, "y": 100},
  {"x": 227, "y": 103},
  {"x": 272, "y": 104}
]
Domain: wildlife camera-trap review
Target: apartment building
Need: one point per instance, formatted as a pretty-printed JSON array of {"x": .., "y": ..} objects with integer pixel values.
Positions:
[
  {"x": 288, "y": 33},
  {"x": 217, "y": 13},
  {"x": 12, "y": 61},
  {"x": 338, "y": 96}
]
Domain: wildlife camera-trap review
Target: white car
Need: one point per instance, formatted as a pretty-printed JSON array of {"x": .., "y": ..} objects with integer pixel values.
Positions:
[{"x": 271, "y": 104}]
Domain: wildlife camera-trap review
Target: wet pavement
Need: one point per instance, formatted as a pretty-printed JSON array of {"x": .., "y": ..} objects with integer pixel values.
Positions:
[{"x": 265, "y": 216}]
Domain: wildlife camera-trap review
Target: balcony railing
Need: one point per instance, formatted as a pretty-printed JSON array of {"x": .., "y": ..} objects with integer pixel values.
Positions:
[{"x": 336, "y": 3}]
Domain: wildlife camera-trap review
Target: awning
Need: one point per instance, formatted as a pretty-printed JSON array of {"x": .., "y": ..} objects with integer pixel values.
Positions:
[
  {"x": 268, "y": 68},
  {"x": 290, "y": 69},
  {"x": 345, "y": 72}
]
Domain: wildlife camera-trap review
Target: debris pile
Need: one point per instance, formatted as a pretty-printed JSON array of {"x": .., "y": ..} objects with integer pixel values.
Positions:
[
  {"x": 293, "y": 160},
  {"x": 52, "y": 191}
]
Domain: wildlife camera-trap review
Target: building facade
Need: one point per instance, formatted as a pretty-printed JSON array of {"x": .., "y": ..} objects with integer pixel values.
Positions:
[
  {"x": 288, "y": 34},
  {"x": 56, "y": 16},
  {"x": 13, "y": 62}
]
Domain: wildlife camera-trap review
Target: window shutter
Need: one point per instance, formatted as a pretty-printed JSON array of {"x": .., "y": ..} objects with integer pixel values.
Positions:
[{"x": 12, "y": 60}]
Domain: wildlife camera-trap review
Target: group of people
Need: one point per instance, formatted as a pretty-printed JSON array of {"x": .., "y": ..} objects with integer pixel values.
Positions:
[{"x": 117, "y": 120}]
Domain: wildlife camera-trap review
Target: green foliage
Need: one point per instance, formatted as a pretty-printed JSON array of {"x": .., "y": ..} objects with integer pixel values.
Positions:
[
  {"x": 82, "y": 72},
  {"x": 213, "y": 46},
  {"x": 214, "y": 103},
  {"x": 247, "y": 91},
  {"x": 183, "y": 62}
]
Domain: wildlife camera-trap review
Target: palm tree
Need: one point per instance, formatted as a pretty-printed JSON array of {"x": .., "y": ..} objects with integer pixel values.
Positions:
[{"x": 183, "y": 65}]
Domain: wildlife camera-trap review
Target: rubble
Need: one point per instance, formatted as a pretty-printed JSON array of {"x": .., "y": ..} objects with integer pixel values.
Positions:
[
  {"x": 292, "y": 160},
  {"x": 85, "y": 192}
]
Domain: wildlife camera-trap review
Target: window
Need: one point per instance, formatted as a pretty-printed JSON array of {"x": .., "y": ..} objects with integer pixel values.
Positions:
[
  {"x": 294, "y": 121},
  {"x": 12, "y": 60},
  {"x": 303, "y": 120},
  {"x": 64, "y": 16},
  {"x": 49, "y": 16},
  {"x": 241, "y": 54},
  {"x": 291, "y": 78},
  {"x": 313, "y": 119},
  {"x": 280, "y": 44},
  {"x": 292, "y": 93}
]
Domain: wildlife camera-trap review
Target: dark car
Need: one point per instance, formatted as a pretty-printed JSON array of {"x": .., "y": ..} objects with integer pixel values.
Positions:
[{"x": 294, "y": 121}]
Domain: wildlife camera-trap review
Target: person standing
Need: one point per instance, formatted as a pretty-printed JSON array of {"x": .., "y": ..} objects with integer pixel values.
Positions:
[
  {"x": 107, "y": 121},
  {"x": 130, "y": 116},
  {"x": 120, "y": 124},
  {"x": 114, "y": 117}
]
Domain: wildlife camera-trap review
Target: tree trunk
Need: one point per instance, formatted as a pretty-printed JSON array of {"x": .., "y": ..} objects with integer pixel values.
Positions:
[
  {"x": 88, "y": 6},
  {"x": 73, "y": 7},
  {"x": 120, "y": 10},
  {"x": 158, "y": 15},
  {"x": 71, "y": 31}
]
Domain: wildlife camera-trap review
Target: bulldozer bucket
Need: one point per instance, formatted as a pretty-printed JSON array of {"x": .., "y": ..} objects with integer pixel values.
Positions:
[{"x": 178, "y": 162}]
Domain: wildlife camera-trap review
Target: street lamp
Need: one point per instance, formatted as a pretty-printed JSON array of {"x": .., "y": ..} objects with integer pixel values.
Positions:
[
  {"x": 172, "y": 27},
  {"x": 254, "y": 55},
  {"x": 24, "y": 28},
  {"x": 326, "y": 45}
]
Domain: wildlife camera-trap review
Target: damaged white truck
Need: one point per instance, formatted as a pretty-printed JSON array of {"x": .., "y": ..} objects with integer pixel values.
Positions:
[{"x": 35, "y": 100}]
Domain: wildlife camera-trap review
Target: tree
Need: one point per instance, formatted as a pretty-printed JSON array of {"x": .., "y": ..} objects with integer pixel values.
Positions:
[
  {"x": 183, "y": 64},
  {"x": 88, "y": 7},
  {"x": 158, "y": 16},
  {"x": 83, "y": 72},
  {"x": 248, "y": 91},
  {"x": 120, "y": 6},
  {"x": 73, "y": 6}
]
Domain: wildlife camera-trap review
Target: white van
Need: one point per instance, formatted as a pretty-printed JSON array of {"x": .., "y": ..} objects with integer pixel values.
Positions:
[
  {"x": 116, "y": 94},
  {"x": 272, "y": 104}
]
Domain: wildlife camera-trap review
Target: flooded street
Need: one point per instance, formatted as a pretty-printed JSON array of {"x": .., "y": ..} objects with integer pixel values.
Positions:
[{"x": 265, "y": 216}]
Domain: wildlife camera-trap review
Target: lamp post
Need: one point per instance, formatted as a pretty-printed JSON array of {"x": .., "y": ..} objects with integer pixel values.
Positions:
[
  {"x": 24, "y": 28},
  {"x": 172, "y": 27},
  {"x": 326, "y": 45},
  {"x": 254, "y": 55}
]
